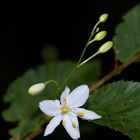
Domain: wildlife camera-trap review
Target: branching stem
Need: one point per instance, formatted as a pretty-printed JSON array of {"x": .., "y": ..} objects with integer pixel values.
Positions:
[{"x": 117, "y": 70}]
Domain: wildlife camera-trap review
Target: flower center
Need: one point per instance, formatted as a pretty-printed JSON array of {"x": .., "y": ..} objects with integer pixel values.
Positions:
[{"x": 64, "y": 109}]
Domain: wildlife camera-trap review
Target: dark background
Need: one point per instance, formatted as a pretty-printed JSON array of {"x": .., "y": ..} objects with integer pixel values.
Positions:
[{"x": 26, "y": 28}]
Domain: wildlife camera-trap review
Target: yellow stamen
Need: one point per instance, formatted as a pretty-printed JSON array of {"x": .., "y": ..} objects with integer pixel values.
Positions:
[
  {"x": 65, "y": 101},
  {"x": 73, "y": 124},
  {"x": 63, "y": 123},
  {"x": 80, "y": 113},
  {"x": 64, "y": 109}
]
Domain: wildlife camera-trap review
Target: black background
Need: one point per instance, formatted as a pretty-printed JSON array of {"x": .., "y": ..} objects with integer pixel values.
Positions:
[{"x": 26, "y": 27}]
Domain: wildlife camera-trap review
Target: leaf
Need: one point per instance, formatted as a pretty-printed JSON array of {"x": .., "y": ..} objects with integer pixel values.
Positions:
[
  {"x": 127, "y": 39},
  {"x": 24, "y": 108},
  {"x": 119, "y": 105}
]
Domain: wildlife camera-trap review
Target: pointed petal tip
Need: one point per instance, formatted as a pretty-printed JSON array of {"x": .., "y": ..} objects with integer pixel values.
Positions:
[
  {"x": 46, "y": 133},
  {"x": 86, "y": 114},
  {"x": 66, "y": 87},
  {"x": 78, "y": 96},
  {"x": 86, "y": 86},
  {"x": 64, "y": 94},
  {"x": 73, "y": 132},
  {"x": 96, "y": 116},
  {"x": 52, "y": 125},
  {"x": 76, "y": 138},
  {"x": 99, "y": 117}
]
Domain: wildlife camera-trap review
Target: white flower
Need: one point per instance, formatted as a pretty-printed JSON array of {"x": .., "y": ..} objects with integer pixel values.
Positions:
[{"x": 67, "y": 110}]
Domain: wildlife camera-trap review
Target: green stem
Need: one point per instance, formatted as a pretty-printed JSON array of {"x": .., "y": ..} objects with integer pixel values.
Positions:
[
  {"x": 87, "y": 44},
  {"x": 95, "y": 27},
  {"x": 69, "y": 76},
  {"x": 92, "y": 41},
  {"x": 84, "y": 50},
  {"x": 71, "y": 73},
  {"x": 52, "y": 81},
  {"x": 82, "y": 63}
]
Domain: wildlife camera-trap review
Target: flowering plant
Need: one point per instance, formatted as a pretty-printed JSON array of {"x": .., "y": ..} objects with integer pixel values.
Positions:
[
  {"x": 114, "y": 105},
  {"x": 68, "y": 110}
]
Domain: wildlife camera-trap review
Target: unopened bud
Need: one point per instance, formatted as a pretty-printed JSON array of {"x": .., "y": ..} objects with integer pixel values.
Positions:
[
  {"x": 97, "y": 29},
  {"x": 36, "y": 89},
  {"x": 103, "y": 18},
  {"x": 105, "y": 47},
  {"x": 99, "y": 36}
]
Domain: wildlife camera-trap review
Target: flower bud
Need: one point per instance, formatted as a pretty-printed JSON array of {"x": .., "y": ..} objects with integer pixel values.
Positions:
[
  {"x": 105, "y": 47},
  {"x": 99, "y": 36},
  {"x": 97, "y": 29},
  {"x": 36, "y": 89},
  {"x": 103, "y": 18}
]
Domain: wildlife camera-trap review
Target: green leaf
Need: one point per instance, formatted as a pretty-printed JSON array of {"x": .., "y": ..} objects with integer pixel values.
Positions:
[
  {"x": 24, "y": 108},
  {"x": 127, "y": 39},
  {"x": 119, "y": 105}
]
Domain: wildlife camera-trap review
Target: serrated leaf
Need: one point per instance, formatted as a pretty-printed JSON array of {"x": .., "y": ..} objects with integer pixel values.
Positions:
[
  {"x": 127, "y": 38},
  {"x": 119, "y": 105},
  {"x": 24, "y": 107}
]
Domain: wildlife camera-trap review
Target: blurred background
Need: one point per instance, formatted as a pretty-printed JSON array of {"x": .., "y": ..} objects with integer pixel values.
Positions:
[{"x": 35, "y": 33}]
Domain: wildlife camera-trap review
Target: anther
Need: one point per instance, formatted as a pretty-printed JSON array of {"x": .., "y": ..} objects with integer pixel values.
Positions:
[
  {"x": 64, "y": 109},
  {"x": 73, "y": 124},
  {"x": 63, "y": 123},
  {"x": 65, "y": 101},
  {"x": 80, "y": 113}
]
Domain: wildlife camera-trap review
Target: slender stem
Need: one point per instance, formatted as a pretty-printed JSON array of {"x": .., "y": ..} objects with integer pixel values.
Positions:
[
  {"x": 95, "y": 27},
  {"x": 99, "y": 83},
  {"x": 69, "y": 76},
  {"x": 87, "y": 44},
  {"x": 83, "y": 52},
  {"x": 34, "y": 134},
  {"x": 52, "y": 81},
  {"x": 78, "y": 66},
  {"x": 82, "y": 63},
  {"x": 91, "y": 41},
  {"x": 117, "y": 70}
]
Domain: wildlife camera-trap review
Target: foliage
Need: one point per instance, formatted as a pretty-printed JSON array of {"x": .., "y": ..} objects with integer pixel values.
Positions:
[
  {"x": 24, "y": 107},
  {"x": 119, "y": 105},
  {"x": 126, "y": 41}
]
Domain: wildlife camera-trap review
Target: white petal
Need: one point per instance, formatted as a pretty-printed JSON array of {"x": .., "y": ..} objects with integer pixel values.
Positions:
[
  {"x": 50, "y": 107},
  {"x": 53, "y": 124},
  {"x": 74, "y": 119},
  {"x": 78, "y": 96},
  {"x": 86, "y": 114},
  {"x": 64, "y": 94},
  {"x": 72, "y": 131}
]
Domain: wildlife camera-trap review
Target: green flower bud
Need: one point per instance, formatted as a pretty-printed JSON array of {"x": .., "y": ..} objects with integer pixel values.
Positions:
[
  {"x": 97, "y": 29},
  {"x": 99, "y": 36},
  {"x": 105, "y": 47},
  {"x": 36, "y": 89},
  {"x": 103, "y": 18}
]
